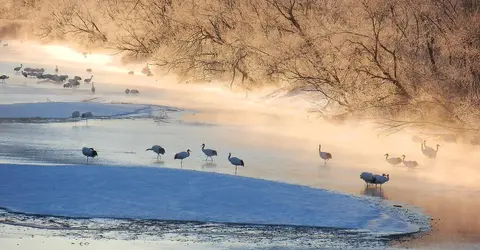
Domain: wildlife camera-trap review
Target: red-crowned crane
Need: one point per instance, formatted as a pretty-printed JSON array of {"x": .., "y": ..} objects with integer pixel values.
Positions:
[
  {"x": 394, "y": 160},
  {"x": 89, "y": 152},
  {"x": 235, "y": 161},
  {"x": 324, "y": 155},
  {"x": 367, "y": 177},
  {"x": 88, "y": 80},
  {"x": 410, "y": 164},
  {"x": 429, "y": 151},
  {"x": 3, "y": 78},
  {"x": 376, "y": 179},
  {"x": 159, "y": 150},
  {"x": 208, "y": 152},
  {"x": 182, "y": 155},
  {"x": 380, "y": 179},
  {"x": 17, "y": 69}
]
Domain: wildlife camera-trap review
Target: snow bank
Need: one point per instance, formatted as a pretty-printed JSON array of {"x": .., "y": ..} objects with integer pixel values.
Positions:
[
  {"x": 172, "y": 194},
  {"x": 59, "y": 110}
]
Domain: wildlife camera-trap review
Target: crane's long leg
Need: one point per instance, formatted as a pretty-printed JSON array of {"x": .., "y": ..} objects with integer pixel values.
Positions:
[{"x": 235, "y": 169}]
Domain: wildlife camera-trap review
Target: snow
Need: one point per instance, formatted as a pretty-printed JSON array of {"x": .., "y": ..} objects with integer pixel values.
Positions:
[
  {"x": 174, "y": 194},
  {"x": 55, "y": 110},
  {"x": 33, "y": 238}
]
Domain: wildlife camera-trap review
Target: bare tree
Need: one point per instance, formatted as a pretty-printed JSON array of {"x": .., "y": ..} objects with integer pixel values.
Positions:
[{"x": 409, "y": 63}]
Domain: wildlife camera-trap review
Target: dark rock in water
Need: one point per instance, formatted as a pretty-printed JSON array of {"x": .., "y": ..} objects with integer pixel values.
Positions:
[
  {"x": 76, "y": 114},
  {"x": 397, "y": 205},
  {"x": 127, "y": 91}
]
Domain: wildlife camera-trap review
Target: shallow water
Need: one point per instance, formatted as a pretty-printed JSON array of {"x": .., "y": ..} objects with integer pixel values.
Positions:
[
  {"x": 269, "y": 152},
  {"x": 123, "y": 142}
]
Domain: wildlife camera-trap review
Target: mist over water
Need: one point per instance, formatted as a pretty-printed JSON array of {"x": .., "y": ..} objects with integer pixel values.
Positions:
[
  {"x": 278, "y": 134},
  {"x": 357, "y": 144}
]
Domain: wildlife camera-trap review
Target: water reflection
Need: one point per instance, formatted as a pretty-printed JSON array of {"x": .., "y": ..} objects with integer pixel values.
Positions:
[
  {"x": 209, "y": 165},
  {"x": 159, "y": 162},
  {"x": 80, "y": 125},
  {"x": 374, "y": 191}
]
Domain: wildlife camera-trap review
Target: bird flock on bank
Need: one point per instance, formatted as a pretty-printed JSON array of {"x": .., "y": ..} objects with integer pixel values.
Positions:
[
  {"x": 368, "y": 177},
  {"x": 68, "y": 83},
  {"x": 377, "y": 179},
  {"x": 40, "y": 75},
  {"x": 160, "y": 151}
]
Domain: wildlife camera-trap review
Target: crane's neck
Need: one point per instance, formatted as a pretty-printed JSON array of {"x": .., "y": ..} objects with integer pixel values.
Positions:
[
  {"x": 437, "y": 147},
  {"x": 203, "y": 146},
  {"x": 319, "y": 148},
  {"x": 403, "y": 157},
  {"x": 148, "y": 149}
]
